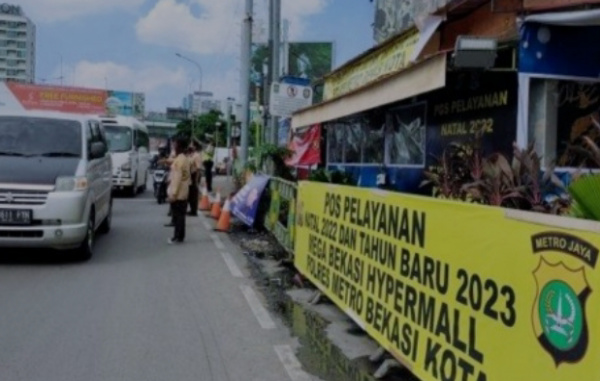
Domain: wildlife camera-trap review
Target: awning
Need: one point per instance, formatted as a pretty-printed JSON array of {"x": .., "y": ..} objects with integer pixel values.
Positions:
[
  {"x": 422, "y": 77},
  {"x": 588, "y": 17}
]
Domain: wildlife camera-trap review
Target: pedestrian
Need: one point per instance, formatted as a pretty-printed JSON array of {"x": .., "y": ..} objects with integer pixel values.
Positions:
[
  {"x": 208, "y": 155},
  {"x": 179, "y": 190},
  {"x": 195, "y": 164},
  {"x": 168, "y": 161}
]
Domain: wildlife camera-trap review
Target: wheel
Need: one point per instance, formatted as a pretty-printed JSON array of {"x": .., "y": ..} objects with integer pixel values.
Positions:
[
  {"x": 132, "y": 191},
  {"x": 145, "y": 184},
  {"x": 106, "y": 224},
  {"x": 86, "y": 250}
]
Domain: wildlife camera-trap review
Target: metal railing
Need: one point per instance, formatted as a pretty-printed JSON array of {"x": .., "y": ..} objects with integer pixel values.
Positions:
[{"x": 281, "y": 217}]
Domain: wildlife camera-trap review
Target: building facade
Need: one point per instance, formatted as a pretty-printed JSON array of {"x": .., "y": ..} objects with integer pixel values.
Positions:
[
  {"x": 203, "y": 102},
  {"x": 17, "y": 45},
  {"x": 389, "y": 114}
]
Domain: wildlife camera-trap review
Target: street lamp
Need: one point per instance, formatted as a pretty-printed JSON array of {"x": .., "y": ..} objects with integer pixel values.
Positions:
[
  {"x": 200, "y": 83},
  {"x": 218, "y": 124}
]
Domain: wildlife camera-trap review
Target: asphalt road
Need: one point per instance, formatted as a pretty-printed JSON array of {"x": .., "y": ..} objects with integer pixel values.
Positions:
[{"x": 140, "y": 310}]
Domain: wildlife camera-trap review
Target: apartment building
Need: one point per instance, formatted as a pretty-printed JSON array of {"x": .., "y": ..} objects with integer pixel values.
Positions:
[{"x": 17, "y": 45}]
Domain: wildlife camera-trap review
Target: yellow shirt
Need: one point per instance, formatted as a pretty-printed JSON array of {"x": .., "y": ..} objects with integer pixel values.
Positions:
[
  {"x": 208, "y": 152},
  {"x": 180, "y": 178}
]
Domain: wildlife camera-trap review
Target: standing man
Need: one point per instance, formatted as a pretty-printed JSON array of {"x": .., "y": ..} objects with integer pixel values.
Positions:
[
  {"x": 196, "y": 164},
  {"x": 179, "y": 190},
  {"x": 209, "y": 152}
]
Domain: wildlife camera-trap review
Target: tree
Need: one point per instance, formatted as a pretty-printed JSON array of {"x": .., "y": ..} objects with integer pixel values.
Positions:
[{"x": 205, "y": 126}]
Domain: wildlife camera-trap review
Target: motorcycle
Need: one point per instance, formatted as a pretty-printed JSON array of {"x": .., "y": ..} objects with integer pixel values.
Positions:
[{"x": 160, "y": 179}]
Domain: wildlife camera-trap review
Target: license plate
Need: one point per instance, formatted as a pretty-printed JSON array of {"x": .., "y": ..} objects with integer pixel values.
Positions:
[{"x": 15, "y": 217}]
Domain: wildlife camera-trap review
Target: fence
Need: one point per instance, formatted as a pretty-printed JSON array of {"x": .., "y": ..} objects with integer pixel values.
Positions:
[{"x": 281, "y": 216}]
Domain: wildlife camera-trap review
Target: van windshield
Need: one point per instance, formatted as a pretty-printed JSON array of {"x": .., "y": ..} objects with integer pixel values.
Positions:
[
  {"x": 28, "y": 136},
  {"x": 120, "y": 138}
]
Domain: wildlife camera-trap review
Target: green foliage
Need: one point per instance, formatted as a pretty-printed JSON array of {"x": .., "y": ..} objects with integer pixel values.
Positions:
[
  {"x": 586, "y": 193},
  {"x": 272, "y": 158},
  {"x": 464, "y": 174},
  {"x": 321, "y": 175},
  {"x": 585, "y": 189},
  {"x": 205, "y": 125}
]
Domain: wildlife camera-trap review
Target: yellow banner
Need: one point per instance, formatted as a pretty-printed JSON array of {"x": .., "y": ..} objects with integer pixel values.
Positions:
[
  {"x": 455, "y": 291},
  {"x": 390, "y": 59}
]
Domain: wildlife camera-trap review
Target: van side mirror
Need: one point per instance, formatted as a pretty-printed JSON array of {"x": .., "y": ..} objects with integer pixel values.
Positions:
[{"x": 97, "y": 150}]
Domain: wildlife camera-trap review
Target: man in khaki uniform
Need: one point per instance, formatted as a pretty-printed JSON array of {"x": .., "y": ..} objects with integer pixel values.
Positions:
[{"x": 179, "y": 190}]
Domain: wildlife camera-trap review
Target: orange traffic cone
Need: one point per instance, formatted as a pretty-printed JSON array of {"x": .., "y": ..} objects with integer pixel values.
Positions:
[
  {"x": 225, "y": 218},
  {"x": 204, "y": 204},
  {"x": 216, "y": 207}
]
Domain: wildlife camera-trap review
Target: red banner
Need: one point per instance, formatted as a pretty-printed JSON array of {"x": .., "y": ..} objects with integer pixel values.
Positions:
[
  {"x": 306, "y": 146},
  {"x": 55, "y": 98}
]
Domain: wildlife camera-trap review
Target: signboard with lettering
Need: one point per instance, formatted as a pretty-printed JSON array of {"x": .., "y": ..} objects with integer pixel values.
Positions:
[
  {"x": 23, "y": 96},
  {"x": 449, "y": 306},
  {"x": 287, "y": 98},
  {"x": 471, "y": 103},
  {"x": 9, "y": 9},
  {"x": 559, "y": 50},
  {"x": 372, "y": 67}
]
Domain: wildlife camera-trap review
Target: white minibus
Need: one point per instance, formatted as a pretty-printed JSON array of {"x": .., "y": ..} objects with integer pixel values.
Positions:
[{"x": 129, "y": 147}]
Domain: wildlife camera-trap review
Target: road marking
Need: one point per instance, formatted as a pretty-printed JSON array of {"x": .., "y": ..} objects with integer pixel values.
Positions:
[
  {"x": 217, "y": 241},
  {"x": 233, "y": 267},
  {"x": 207, "y": 225},
  {"x": 291, "y": 364},
  {"x": 261, "y": 314}
]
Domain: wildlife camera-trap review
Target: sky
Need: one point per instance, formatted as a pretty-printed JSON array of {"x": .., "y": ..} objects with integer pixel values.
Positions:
[{"x": 131, "y": 45}]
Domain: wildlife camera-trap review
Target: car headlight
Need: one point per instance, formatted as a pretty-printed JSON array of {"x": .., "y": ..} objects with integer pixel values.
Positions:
[
  {"x": 70, "y": 184},
  {"x": 125, "y": 174}
]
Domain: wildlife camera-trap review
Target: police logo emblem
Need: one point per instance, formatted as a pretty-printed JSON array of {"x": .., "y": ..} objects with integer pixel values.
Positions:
[{"x": 559, "y": 311}]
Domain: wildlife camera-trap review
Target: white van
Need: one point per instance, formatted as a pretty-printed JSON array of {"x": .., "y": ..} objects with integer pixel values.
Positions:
[
  {"x": 129, "y": 147},
  {"x": 55, "y": 188}
]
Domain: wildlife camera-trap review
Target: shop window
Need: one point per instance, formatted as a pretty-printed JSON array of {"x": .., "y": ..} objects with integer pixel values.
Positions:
[
  {"x": 374, "y": 150},
  {"x": 335, "y": 143},
  {"x": 406, "y": 137},
  {"x": 561, "y": 114},
  {"x": 354, "y": 137}
]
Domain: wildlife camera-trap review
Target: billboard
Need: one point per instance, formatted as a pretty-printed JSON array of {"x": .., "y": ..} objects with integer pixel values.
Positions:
[
  {"x": 311, "y": 60},
  {"x": 126, "y": 103},
  {"x": 393, "y": 17},
  {"x": 77, "y": 100},
  {"x": 443, "y": 302}
]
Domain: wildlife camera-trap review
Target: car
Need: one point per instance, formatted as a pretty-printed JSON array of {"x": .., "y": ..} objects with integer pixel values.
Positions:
[{"x": 55, "y": 181}]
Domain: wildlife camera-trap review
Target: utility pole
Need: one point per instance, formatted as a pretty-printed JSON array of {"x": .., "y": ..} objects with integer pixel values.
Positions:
[
  {"x": 275, "y": 29},
  {"x": 286, "y": 47},
  {"x": 229, "y": 133},
  {"x": 245, "y": 79}
]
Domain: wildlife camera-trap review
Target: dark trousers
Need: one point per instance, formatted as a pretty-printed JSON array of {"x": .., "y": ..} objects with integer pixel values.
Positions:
[
  {"x": 193, "y": 195},
  {"x": 179, "y": 209},
  {"x": 208, "y": 165}
]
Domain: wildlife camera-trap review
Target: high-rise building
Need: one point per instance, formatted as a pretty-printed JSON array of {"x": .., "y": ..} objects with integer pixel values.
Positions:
[
  {"x": 17, "y": 45},
  {"x": 200, "y": 103}
]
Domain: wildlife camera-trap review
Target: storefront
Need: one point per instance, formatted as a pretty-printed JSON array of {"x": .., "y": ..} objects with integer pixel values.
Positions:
[
  {"x": 387, "y": 133},
  {"x": 559, "y": 84}
]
